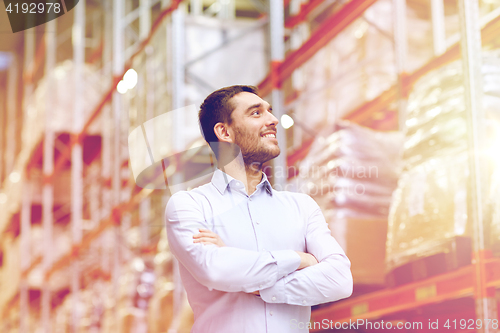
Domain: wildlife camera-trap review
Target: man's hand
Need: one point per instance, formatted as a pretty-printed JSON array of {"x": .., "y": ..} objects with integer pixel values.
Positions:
[
  {"x": 208, "y": 237},
  {"x": 306, "y": 260}
]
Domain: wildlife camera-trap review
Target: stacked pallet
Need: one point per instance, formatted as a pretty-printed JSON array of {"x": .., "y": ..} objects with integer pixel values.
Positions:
[
  {"x": 351, "y": 172},
  {"x": 429, "y": 231}
]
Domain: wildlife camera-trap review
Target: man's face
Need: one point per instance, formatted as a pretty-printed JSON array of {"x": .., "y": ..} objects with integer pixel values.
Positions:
[{"x": 253, "y": 128}]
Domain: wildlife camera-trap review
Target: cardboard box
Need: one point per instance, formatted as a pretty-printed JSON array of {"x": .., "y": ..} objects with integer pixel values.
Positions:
[{"x": 363, "y": 240}]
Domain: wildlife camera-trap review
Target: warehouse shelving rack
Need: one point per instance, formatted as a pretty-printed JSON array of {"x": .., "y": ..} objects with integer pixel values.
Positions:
[
  {"x": 460, "y": 283},
  {"x": 478, "y": 280},
  {"x": 116, "y": 22},
  {"x": 72, "y": 152},
  {"x": 449, "y": 286}
]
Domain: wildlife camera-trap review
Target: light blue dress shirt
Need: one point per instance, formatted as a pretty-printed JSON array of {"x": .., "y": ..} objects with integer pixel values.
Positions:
[{"x": 261, "y": 232}]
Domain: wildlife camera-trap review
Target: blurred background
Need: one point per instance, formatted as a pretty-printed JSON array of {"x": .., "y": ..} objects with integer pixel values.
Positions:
[{"x": 390, "y": 120}]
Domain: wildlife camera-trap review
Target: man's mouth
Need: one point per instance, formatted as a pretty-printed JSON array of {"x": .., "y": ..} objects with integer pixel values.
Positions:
[{"x": 270, "y": 135}]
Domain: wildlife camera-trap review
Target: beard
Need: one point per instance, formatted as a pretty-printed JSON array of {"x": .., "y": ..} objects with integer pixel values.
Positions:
[{"x": 254, "y": 149}]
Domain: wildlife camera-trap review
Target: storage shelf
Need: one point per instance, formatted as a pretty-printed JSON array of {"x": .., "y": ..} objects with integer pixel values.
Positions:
[
  {"x": 448, "y": 286},
  {"x": 330, "y": 28},
  {"x": 452, "y": 285}
]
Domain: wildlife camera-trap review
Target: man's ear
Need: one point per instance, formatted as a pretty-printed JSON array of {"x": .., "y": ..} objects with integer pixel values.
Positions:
[{"x": 222, "y": 132}]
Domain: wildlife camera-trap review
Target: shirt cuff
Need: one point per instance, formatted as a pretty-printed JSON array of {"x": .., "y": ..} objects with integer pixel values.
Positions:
[
  {"x": 274, "y": 294},
  {"x": 287, "y": 260}
]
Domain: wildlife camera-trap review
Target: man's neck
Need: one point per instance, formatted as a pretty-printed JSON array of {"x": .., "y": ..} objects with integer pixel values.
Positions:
[{"x": 249, "y": 175}]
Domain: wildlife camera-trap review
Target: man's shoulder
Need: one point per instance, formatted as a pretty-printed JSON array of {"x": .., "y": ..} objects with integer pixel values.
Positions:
[
  {"x": 301, "y": 199},
  {"x": 191, "y": 200},
  {"x": 196, "y": 193},
  {"x": 294, "y": 195}
]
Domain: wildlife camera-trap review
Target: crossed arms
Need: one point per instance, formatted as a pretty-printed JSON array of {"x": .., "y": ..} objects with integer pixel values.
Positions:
[
  {"x": 207, "y": 237},
  {"x": 284, "y": 276}
]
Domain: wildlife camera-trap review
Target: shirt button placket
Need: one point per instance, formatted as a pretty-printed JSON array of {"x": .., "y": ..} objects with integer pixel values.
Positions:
[
  {"x": 250, "y": 211},
  {"x": 254, "y": 221},
  {"x": 271, "y": 319}
]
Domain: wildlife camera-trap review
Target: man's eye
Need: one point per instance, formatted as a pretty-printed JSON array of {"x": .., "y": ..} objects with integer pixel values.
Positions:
[{"x": 256, "y": 112}]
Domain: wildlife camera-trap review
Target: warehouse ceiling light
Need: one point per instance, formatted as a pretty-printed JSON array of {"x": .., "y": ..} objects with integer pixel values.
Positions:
[
  {"x": 128, "y": 82},
  {"x": 121, "y": 87},
  {"x": 130, "y": 78},
  {"x": 138, "y": 264},
  {"x": 15, "y": 177},
  {"x": 286, "y": 121}
]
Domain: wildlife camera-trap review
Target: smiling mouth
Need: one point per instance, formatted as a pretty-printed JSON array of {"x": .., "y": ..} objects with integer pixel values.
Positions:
[{"x": 270, "y": 135}]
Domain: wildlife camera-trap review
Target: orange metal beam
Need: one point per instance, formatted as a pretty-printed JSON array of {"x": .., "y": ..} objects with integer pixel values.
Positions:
[
  {"x": 362, "y": 115},
  {"x": 65, "y": 155},
  {"x": 488, "y": 34},
  {"x": 456, "y": 284},
  {"x": 452, "y": 285},
  {"x": 380, "y": 103},
  {"x": 319, "y": 39},
  {"x": 305, "y": 9},
  {"x": 66, "y": 259},
  {"x": 385, "y": 302},
  {"x": 37, "y": 261}
]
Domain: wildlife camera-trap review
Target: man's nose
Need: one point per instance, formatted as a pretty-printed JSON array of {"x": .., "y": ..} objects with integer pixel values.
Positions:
[{"x": 272, "y": 119}]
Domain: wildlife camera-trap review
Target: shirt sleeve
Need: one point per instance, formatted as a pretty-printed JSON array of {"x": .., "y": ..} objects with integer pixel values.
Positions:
[
  {"x": 327, "y": 281},
  {"x": 227, "y": 269}
]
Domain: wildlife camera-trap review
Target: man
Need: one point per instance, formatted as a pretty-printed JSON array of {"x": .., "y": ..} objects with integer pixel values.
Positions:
[{"x": 251, "y": 259}]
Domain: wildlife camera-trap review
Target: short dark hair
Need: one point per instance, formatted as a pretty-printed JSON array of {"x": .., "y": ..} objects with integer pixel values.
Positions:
[{"x": 217, "y": 108}]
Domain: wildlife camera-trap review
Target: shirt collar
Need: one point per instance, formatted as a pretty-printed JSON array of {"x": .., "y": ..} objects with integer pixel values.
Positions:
[{"x": 221, "y": 181}]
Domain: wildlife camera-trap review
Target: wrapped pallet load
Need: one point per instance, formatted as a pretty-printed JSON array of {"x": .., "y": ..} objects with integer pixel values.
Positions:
[
  {"x": 429, "y": 231},
  {"x": 351, "y": 172}
]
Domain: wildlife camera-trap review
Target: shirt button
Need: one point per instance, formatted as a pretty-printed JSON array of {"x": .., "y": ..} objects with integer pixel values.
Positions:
[
  {"x": 264, "y": 250},
  {"x": 257, "y": 222},
  {"x": 250, "y": 198},
  {"x": 260, "y": 287},
  {"x": 274, "y": 298},
  {"x": 304, "y": 302},
  {"x": 271, "y": 313}
]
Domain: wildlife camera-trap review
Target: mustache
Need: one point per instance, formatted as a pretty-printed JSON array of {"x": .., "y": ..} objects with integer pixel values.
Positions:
[{"x": 270, "y": 129}]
